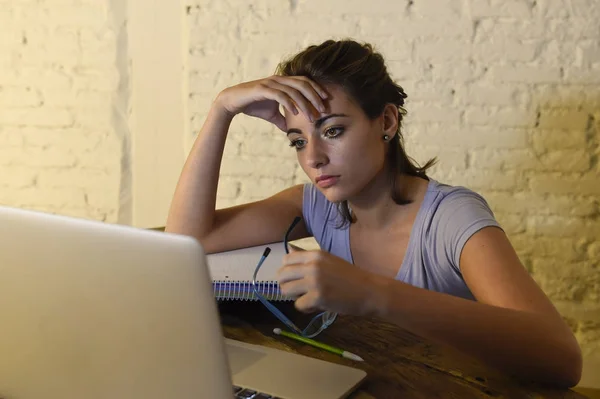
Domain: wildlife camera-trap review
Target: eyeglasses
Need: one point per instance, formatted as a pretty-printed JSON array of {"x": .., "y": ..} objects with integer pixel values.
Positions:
[{"x": 317, "y": 324}]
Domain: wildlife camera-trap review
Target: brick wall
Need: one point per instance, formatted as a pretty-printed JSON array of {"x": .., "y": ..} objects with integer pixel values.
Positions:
[
  {"x": 60, "y": 134},
  {"x": 505, "y": 93}
]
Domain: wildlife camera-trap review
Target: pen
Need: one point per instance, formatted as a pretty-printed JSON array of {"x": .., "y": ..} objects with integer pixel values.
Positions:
[{"x": 320, "y": 345}]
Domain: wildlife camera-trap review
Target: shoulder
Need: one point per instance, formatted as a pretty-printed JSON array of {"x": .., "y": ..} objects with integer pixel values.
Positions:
[
  {"x": 457, "y": 201},
  {"x": 456, "y": 214}
]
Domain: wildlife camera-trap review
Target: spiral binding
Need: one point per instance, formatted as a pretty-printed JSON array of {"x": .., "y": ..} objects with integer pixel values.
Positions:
[{"x": 242, "y": 290}]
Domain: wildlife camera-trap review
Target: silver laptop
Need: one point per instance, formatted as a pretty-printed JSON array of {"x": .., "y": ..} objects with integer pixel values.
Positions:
[{"x": 92, "y": 310}]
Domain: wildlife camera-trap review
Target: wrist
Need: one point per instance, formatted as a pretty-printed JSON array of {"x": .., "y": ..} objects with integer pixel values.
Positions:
[
  {"x": 219, "y": 107},
  {"x": 376, "y": 300}
]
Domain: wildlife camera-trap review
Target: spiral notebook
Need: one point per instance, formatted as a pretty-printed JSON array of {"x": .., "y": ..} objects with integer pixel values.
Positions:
[{"x": 232, "y": 271}]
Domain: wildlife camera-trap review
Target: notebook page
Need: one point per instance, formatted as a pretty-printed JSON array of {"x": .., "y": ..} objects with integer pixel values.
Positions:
[{"x": 239, "y": 264}]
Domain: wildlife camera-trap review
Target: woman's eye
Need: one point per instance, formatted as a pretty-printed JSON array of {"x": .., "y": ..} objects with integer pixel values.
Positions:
[
  {"x": 298, "y": 144},
  {"x": 333, "y": 132}
]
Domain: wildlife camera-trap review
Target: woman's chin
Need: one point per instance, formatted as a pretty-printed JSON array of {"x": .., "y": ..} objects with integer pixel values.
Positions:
[{"x": 334, "y": 194}]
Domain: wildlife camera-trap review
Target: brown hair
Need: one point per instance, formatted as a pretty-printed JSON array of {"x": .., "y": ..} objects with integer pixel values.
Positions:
[{"x": 362, "y": 73}]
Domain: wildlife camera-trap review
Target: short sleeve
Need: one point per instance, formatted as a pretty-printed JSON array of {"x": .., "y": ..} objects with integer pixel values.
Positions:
[{"x": 459, "y": 215}]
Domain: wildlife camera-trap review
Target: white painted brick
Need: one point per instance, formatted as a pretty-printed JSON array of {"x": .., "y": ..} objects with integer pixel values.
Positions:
[
  {"x": 500, "y": 8},
  {"x": 501, "y": 95},
  {"x": 455, "y": 157},
  {"x": 582, "y": 75},
  {"x": 500, "y": 49},
  {"x": 545, "y": 140},
  {"x": 442, "y": 50},
  {"x": 10, "y": 138},
  {"x": 526, "y": 203},
  {"x": 594, "y": 250},
  {"x": 427, "y": 91},
  {"x": 588, "y": 51},
  {"x": 530, "y": 74},
  {"x": 570, "y": 119},
  {"x": 76, "y": 140},
  {"x": 511, "y": 224},
  {"x": 17, "y": 176},
  {"x": 433, "y": 26},
  {"x": 255, "y": 189},
  {"x": 515, "y": 28},
  {"x": 256, "y": 167},
  {"x": 94, "y": 118},
  {"x": 41, "y": 117},
  {"x": 13, "y": 97},
  {"x": 223, "y": 203},
  {"x": 104, "y": 156},
  {"x": 563, "y": 226},
  {"x": 565, "y": 249},
  {"x": 566, "y": 161},
  {"x": 505, "y": 159},
  {"x": 581, "y": 96},
  {"x": 499, "y": 116},
  {"x": 272, "y": 143},
  {"x": 10, "y": 39},
  {"x": 37, "y": 157},
  {"x": 565, "y": 184},
  {"x": 492, "y": 180},
  {"x": 470, "y": 137},
  {"x": 77, "y": 99},
  {"x": 42, "y": 78},
  {"x": 31, "y": 196},
  {"x": 103, "y": 198},
  {"x": 101, "y": 79},
  {"x": 82, "y": 15},
  {"x": 229, "y": 187},
  {"x": 419, "y": 112},
  {"x": 77, "y": 177}
]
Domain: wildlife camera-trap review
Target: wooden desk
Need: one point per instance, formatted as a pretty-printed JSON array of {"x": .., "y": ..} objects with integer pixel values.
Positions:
[{"x": 399, "y": 364}]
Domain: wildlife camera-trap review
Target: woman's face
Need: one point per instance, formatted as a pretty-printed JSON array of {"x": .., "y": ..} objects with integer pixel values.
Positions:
[{"x": 342, "y": 151}]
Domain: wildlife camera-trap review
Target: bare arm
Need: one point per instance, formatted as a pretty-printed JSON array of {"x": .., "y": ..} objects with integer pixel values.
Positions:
[
  {"x": 513, "y": 326},
  {"x": 193, "y": 206}
]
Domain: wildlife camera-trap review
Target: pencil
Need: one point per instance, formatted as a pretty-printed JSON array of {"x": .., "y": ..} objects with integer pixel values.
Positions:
[{"x": 320, "y": 345}]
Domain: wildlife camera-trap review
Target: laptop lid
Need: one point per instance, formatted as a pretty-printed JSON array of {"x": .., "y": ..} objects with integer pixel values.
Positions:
[{"x": 93, "y": 310}]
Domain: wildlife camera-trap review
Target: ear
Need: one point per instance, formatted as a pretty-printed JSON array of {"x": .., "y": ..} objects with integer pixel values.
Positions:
[{"x": 390, "y": 119}]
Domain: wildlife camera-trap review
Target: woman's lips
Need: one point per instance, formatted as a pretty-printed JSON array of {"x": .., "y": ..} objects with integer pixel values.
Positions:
[{"x": 327, "y": 181}]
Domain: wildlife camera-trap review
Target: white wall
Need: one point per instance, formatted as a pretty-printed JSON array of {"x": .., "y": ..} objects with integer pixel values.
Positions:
[{"x": 61, "y": 134}]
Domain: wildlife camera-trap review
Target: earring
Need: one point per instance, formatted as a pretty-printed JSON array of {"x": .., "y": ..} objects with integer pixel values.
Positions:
[{"x": 386, "y": 137}]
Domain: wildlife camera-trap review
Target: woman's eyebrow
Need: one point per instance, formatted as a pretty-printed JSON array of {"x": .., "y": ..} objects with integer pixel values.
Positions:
[{"x": 318, "y": 122}]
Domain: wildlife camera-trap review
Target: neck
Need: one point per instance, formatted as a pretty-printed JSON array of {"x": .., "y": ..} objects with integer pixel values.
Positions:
[{"x": 373, "y": 207}]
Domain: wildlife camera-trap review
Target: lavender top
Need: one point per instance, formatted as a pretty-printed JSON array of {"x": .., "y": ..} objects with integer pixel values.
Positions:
[{"x": 447, "y": 218}]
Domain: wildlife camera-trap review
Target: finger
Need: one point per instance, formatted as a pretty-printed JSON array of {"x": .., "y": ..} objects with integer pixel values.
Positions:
[
  {"x": 293, "y": 272},
  {"x": 279, "y": 121},
  {"x": 299, "y": 98},
  {"x": 270, "y": 93},
  {"x": 294, "y": 289},
  {"x": 309, "y": 89},
  {"x": 307, "y": 303},
  {"x": 316, "y": 87}
]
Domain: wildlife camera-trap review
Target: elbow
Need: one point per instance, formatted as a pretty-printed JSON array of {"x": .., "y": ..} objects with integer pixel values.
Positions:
[
  {"x": 568, "y": 373},
  {"x": 572, "y": 376}
]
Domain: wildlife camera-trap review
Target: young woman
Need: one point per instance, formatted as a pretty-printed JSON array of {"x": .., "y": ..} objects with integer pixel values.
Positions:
[{"x": 394, "y": 243}]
